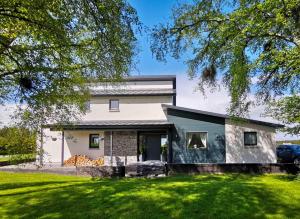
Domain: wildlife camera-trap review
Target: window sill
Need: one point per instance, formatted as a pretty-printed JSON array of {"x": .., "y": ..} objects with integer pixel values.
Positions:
[
  {"x": 94, "y": 148},
  {"x": 251, "y": 146},
  {"x": 114, "y": 110},
  {"x": 197, "y": 148}
]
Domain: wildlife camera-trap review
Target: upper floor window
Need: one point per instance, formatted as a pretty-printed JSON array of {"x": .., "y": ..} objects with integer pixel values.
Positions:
[
  {"x": 196, "y": 139},
  {"x": 250, "y": 138},
  {"x": 113, "y": 105}
]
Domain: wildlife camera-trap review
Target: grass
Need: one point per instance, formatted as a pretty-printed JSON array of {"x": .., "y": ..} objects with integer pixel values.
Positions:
[{"x": 33, "y": 195}]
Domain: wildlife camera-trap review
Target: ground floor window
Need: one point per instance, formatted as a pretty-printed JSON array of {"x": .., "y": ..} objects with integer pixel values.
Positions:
[
  {"x": 94, "y": 141},
  {"x": 250, "y": 138},
  {"x": 196, "y": 139}
]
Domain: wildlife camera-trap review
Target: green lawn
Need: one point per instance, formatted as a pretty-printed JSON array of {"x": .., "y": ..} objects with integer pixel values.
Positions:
[{"x": 34, "y": 195}]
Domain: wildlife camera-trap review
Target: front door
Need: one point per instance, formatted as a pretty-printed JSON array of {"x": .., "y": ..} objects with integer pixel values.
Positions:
[{"x": 153, "y": 144}]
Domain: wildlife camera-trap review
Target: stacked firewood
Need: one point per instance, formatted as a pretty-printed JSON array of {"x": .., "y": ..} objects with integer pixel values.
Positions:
[
  {"x": 98, "y": 162},
  {"x": 83, "y": 160}
]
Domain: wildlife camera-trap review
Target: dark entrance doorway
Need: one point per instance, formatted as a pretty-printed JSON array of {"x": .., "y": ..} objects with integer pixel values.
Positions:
[{"x": 151, "y": 146}]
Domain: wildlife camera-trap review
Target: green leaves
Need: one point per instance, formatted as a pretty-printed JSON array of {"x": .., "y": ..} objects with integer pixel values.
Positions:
[
  {"x": 287, "y": 110},
  {"x": 17, "y": 140},
  {"x": 49, "y": 47},
  {"x": 242, "y": 39}
]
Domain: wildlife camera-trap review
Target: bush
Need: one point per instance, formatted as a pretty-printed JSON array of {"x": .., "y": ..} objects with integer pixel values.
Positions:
[{"x": 3, "y": 150}]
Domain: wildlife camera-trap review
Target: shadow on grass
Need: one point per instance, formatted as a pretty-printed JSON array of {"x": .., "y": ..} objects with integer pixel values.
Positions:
[
  {"x": 205, "y": 196},
  {"x": 288, "y": 178}
]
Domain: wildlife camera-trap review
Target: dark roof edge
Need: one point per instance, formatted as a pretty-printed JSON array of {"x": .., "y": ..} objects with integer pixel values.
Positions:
[
  {"x": 124, "y": 95},
  {"x": 107, "y": 127},
  {"x": 274, "y": 125},
  {"x": 151, "y": 78}
]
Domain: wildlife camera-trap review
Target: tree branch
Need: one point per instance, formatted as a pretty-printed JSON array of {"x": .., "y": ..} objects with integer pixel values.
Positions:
[{"x": 24, "y": 19}]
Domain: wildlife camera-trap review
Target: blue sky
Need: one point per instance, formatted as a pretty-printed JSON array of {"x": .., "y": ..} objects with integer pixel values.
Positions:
[{"x": 153, "y": 12}]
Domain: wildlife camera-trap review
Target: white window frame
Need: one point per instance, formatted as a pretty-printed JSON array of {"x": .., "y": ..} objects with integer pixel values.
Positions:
[{"x": 186, "y": 139}]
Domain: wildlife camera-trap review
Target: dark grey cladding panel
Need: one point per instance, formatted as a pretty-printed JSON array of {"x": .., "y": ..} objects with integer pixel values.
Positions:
[
  {"x": 218, "y": 115},
  {"x": 189, "y": 122},
  {"x": 196, "y": 116}
]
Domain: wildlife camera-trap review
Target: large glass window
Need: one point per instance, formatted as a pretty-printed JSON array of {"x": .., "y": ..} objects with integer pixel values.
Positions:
[
  {"x": 94, "y": 140},
  {"x": 114, "y": 105},
  {"x": 250, "y": 138},
  {"x": 196, "y": 139}
]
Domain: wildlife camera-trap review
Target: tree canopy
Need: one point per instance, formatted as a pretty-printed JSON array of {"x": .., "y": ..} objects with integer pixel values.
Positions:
[
  {"x": 17, "y": 140},
  {"x": 287, "y": 110},
  {"x": 50, "y": 49},
  {"x": 253, "y": 45}
]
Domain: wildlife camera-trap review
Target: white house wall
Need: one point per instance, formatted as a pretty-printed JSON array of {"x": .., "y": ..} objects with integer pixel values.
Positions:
[
  {"x": 131, "y": 108},
  {"x": 51, "y": 146},
  {"x": 236, "y": 152},
  {"x": 75, "y": 143}
]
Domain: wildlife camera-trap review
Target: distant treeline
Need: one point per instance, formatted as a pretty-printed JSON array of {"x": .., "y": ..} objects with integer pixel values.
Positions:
[
  {"x": 15, "y": 140},
  {"x": 288, "y": 141}
]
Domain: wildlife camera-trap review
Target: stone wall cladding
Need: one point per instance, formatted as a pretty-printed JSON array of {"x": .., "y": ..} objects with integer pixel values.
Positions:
[{"x": 124, "y": 143}]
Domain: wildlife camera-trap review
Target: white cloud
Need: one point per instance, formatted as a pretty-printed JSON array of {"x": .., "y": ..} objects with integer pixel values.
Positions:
[
  {"x": 188, "y": 96},
  {"x": 217, "y": 101},
  {"x": 6, "y": 111}
]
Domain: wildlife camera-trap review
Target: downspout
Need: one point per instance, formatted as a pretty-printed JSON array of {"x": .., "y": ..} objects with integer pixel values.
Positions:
[
  {"x": 111, "y": 148},
  {"x": 170, "y": 145},
  {"x": 62, "y": 147}
]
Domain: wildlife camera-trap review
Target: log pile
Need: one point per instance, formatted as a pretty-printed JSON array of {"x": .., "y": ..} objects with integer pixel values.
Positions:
[{"x": 83, "y": 160}]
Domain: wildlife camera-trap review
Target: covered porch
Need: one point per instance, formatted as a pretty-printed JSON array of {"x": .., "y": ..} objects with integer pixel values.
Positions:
[{"x": 118, "y": 142}]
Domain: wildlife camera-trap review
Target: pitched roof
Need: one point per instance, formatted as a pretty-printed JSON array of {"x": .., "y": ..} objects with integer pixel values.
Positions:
[
  {"x": 274, "y": 125},
  {"x": 124, "y": 92}
]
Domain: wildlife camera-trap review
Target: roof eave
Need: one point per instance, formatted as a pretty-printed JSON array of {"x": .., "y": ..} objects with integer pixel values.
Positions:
[
  {"x": 126, "y": 95},
  {"x": 109, "y": 127},
  {"x": 269, "y": 124}
]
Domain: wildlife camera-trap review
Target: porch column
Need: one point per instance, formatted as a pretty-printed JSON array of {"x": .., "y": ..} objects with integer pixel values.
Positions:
[
  {"x": 111, "y": 148},
  {"x": 62, "y": 147},
  {"x": 170, "y": 148}
]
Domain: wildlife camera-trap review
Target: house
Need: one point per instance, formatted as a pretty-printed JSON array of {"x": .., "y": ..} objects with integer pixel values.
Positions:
[{"x": 137, "y": 120}]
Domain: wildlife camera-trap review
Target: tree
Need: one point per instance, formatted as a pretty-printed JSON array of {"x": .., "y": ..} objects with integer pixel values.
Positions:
[
  {"x": 50, "y": 49},
  {"x": 250, "y": 44},
  {"x": 17, "y": 141},
  {"x": 287, "y": 110}
]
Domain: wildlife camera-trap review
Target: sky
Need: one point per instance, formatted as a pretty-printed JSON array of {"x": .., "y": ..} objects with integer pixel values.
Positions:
[{"x": 153, "y": 12}]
